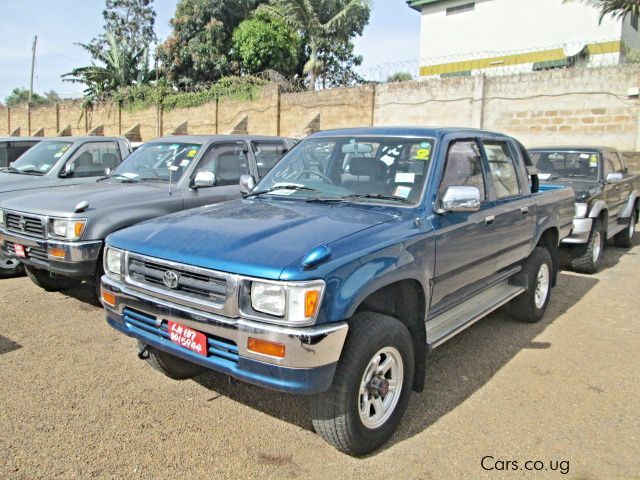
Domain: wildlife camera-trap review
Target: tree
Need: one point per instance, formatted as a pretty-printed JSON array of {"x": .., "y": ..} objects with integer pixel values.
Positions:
[
  {"x": 119, "y": 66},
  {"x": 400, "y": 77},
  {"x": 338, "y": 64},
  {"x": 20, "y": 96},
  {"x": 197, "y": 51},
  {"x": 130, "y": 22},
  {"x": 266, "y": 43},
  {"x": 322, "y": 20},
  {"x": 616, "y": 8}
]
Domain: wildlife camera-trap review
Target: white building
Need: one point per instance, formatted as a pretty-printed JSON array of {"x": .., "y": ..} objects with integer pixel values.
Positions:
[{"x": 458, "y": 37}]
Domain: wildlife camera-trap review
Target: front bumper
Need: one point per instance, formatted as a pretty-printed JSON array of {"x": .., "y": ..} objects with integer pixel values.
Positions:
[
  {"x": 79, "y": 259},
  {"x": 580, "y": 232},
  {"x": 311, "y": 352}
]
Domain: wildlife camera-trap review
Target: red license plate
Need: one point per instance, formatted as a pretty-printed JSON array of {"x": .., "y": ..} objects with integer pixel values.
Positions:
[
  {"x": 19, "y": 249},
  {"x": 188, "y": 338}
]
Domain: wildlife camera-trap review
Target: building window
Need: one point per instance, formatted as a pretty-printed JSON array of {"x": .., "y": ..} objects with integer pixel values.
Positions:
[{"x": 467, "y": 7}]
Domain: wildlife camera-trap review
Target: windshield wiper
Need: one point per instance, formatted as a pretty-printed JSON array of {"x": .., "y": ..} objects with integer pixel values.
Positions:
[
  {"x": 280, "y": 187},
  {"x": 124, "y": 178},
  {"x": 30, "y": 171},
  {"x": 375, "y": 196},
  {"x": 11, "y": 170}
]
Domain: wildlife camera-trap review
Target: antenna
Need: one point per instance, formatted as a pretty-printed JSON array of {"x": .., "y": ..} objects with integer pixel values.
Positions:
[{"x": 33, "y": 62}]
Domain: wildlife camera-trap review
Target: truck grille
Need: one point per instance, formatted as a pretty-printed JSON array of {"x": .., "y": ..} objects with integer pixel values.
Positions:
[
  {"x": 28, "y": 225},
  {"x": 190, "y": 283},
  {"x": 219, "y": 347},
  {"x": 36, "y": 253}
]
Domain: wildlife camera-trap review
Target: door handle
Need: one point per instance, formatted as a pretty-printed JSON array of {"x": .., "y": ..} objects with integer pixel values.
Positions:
[
  {"x": 524, "y": 210},
  {"x": 490, "y": 219}
]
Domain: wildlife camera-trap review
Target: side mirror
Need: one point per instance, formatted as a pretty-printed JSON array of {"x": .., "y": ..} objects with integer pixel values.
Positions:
[
  {"x": 69, "y": 169},
  {"x": 461, "y": 199},
  {"x": 614, "y": 177},
  {"x": 246, "y": 184},
  {"x": 204, "y": 179}
]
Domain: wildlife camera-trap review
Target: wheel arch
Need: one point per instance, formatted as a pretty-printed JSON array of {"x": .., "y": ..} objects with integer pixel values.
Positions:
[{"x": 550, "y": 240}]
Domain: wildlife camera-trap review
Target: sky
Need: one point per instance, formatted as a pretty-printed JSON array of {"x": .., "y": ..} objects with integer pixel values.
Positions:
[{"x": 391, "y": 36}]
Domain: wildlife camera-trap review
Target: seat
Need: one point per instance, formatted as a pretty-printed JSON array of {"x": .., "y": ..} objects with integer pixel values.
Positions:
[
  {"x": 109, "y": 160},
  {"x": 375, "y": 172}
]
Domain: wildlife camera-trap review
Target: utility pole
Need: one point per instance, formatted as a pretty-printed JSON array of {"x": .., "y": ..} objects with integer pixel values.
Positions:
[{"x": 33, "y": 64}]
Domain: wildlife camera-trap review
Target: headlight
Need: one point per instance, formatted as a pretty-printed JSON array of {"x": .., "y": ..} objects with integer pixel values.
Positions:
[
  {"x": 113, "y": 261},
  {"x": 295, "y": 303},
  {"x": 2, "y": 215},
  {"x": 69, "y": 229},
  {"x": 581, "y": 210}
]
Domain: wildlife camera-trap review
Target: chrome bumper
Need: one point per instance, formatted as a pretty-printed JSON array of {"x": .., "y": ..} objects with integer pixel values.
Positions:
[
  {"x": 74, "y": 252},
  {"x": 580, "y": 232},
  {"x": 306, "y": 348}
]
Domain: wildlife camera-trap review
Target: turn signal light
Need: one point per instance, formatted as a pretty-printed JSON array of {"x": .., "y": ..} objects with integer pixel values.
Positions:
[
  {"x": 266, "y": 348},
  {"x": 311, "y": 303},
  {"x": 108, "y": 298},
  {"x": 78, "y": 229},
  {"x": 57, "y": 253}
]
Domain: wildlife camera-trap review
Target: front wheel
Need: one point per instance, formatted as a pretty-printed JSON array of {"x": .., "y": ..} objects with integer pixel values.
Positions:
[
  {"x": 532, "y": 303},
  {"x": 10, "y": 267},
  {"x": 49, "y": 281},
  {"x": 371, "y": 386},
  {"x": 588, "y": 258},
  {"x": 173, "y": 367}
]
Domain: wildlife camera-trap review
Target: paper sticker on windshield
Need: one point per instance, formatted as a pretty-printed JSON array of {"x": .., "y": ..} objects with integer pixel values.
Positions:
[
  {"x": 130, "y": 175},
  {"x": 544, "y": 176},
  {"x": 402, "y": 192},
  {"x": 185, "y": 162},
  {"x": 422, "y": 154},
  {"x": 593, "y": 161},
  {"x": 175, "y": 146},
  {"x": 192, "y": 153},
  {"x": 584, "y": 155},
  {"x": 174, "y": 168},
  {"x": 402, "y": 177}
]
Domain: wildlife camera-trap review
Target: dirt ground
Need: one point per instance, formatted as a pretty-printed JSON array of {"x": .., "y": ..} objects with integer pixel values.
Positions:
[{"x": 75, "y": 402}]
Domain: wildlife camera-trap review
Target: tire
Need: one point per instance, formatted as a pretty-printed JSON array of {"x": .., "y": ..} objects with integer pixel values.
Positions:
[
  {"x": 531, "y": 305},
  {"x": 336, "y": 413},
  {"x": 587, "y": 258},
  {"x": 624, "y": 239},
  {"x": 172, "y": 366},
  {"x": 10, "y": 267},
  {"x": 50, "y": 282}
]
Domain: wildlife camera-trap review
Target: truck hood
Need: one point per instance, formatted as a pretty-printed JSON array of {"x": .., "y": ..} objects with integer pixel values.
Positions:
[
  {"x": 100, "y": 196},
  {"x": 11, "y": 182},
  {"x": 255, "y": 237}
]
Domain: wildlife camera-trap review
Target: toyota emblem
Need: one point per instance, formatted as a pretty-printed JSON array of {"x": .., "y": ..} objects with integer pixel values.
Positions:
[{"x": 170, "y": 279}]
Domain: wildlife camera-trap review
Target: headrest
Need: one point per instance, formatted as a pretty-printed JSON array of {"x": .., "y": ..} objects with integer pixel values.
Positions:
[{"x": 364, "y": 166}]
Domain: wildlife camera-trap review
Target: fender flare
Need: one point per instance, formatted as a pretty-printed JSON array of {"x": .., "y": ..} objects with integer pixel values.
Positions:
[
  {"x": 628, "y": 209},
  {"x": 597, "y": 208}
]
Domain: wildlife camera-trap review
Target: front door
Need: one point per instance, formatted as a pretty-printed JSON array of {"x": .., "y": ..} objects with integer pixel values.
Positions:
[{"x": 466, "y": 243}]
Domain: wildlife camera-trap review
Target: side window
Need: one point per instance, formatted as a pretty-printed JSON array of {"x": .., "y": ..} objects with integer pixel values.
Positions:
[
  {"x": 267, "y": 155},
  {"x": 623, "y": 164},
  {"x": 4, "y": 155},
  {"x": 227, "y": 161},
  {"x": 503, "y": 169},
  {"x": 92, "y": 159},
  {"x": 608, "y": 166},
  {"x": 18, "y": 148},
  {"x": 464, "y": 167},
  {"x": 615, "y": 161}
]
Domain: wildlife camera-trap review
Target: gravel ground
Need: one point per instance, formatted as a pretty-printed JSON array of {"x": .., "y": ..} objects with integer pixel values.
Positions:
[{"x": 77, "y": 403}]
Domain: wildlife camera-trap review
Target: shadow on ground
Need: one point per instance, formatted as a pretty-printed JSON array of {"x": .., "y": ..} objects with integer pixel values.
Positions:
[{"x": 455, "y": 370}]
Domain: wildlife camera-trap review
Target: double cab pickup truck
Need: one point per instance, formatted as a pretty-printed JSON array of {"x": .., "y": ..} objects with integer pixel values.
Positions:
[
  {"x": 55, "y": 162},
  {"x": 358, "y": 253},
  {"x": 607, "y": 198},
  {"x": 67, "y": 226}
]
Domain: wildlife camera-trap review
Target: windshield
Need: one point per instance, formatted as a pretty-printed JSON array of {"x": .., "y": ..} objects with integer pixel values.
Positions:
[
  {"x": 162, "y": 162},
  {"x": 372, "y": 169},
  {"x": 40, "y": 158},
  {"x": 566, "y": 165}
]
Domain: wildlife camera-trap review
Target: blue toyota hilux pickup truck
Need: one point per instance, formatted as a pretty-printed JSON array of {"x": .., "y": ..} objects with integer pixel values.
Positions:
[{"x": 358, "y": 253}]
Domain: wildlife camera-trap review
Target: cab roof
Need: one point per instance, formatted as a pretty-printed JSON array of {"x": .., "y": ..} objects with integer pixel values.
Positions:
[
  {"x": 433, "y": 132},
  {"x": 211, "y": 138}
]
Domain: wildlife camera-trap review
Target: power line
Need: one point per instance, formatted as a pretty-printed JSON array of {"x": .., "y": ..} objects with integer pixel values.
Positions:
[{"x": 60, "y": 54}]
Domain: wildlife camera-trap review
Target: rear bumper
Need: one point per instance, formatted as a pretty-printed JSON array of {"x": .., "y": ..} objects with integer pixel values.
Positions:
[
  {"x": 580, "y": 232},
  {"x": 311, "y": 353},
  {"x": 79, "y": 259}
]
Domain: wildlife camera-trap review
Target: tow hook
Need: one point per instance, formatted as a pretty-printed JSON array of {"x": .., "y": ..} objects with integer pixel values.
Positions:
[{"x": 143, "y": 351}]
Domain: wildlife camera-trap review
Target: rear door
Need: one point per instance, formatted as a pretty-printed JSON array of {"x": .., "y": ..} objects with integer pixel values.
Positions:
[
  {"x": 228, "y": 161},
  {"x": 466, "y": 242},
  {"x": 615, "y": 193},
  {"x": 514, "y": 209}
]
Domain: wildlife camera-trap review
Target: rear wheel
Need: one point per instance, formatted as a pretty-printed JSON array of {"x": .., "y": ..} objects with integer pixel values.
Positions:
[
  {"x": 532, "y": 303},
  {"x": 10, "y": 267},
  {"x": 371, "y": 386},
  {"x": 172, "y": 366},
  {"x": 624, "y": 239},
  {"x": 49, "y": 281},
  {"x": 587, "y": 258}
]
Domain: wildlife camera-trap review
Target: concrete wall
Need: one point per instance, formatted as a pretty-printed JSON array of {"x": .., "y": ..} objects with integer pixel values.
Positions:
[{"x": 570, "y": 106}]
